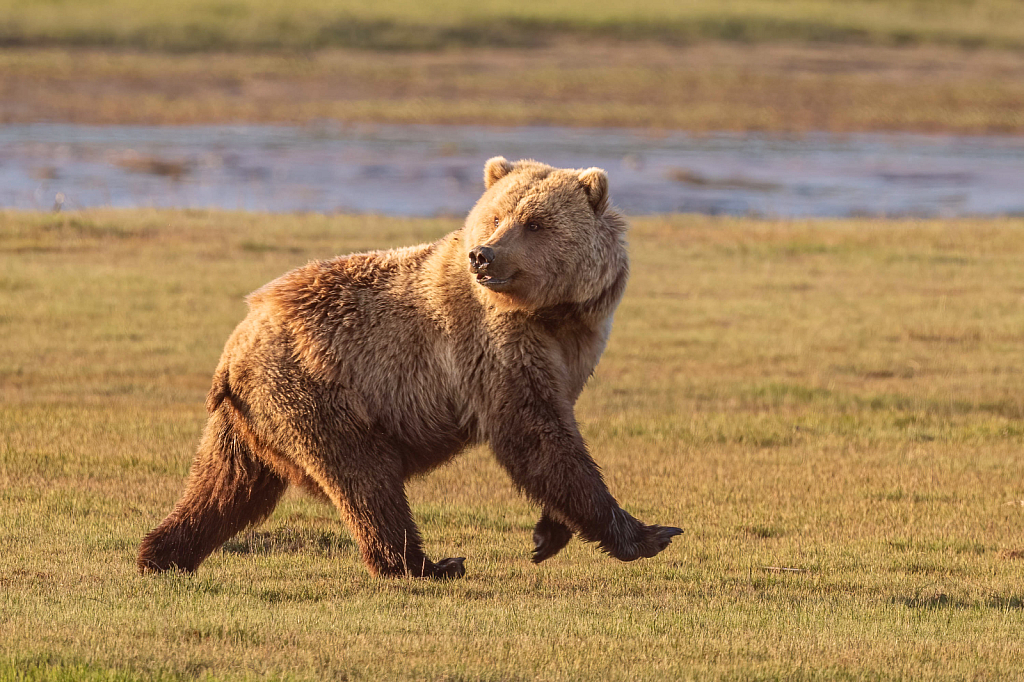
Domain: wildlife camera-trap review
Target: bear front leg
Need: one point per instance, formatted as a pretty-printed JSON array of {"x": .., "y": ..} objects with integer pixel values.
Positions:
[
  {"x": 534, "y": 436},
  {"x": 549, "y": 537}
]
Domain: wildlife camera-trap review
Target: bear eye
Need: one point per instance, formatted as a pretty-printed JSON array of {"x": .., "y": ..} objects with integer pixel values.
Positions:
[
  {"x": 533, "y": 226},
  {"x": 496, "y": 221}
]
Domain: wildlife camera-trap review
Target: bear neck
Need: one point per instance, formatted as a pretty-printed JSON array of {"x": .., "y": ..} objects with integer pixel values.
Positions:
[{"x": 592, "y": 311}]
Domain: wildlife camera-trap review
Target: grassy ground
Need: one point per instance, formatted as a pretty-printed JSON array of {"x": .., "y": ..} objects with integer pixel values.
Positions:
[
  {"x": 406, "y": 24},
  {"x": 699, "y": 88},
  {"x": 832, "y": 410}
]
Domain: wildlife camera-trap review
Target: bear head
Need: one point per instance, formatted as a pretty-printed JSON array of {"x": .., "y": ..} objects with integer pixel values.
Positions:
[{"x": 542, "y": 236}]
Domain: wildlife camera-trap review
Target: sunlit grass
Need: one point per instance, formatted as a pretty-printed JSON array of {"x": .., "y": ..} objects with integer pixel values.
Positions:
[{"x": 831, "y": 409}]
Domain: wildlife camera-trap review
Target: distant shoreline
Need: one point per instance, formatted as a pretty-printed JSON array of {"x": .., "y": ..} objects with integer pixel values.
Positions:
[{"x": 697, "y": 88}]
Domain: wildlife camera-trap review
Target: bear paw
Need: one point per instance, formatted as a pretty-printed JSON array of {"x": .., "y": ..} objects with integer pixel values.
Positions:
[
  {"x": 631, "y": 540},
  {"x": 157, "y": 555},
  {"x": 657, "y": 538},
  {"x": 549, "y": 537},
  {"x": 449, "y": 569}
]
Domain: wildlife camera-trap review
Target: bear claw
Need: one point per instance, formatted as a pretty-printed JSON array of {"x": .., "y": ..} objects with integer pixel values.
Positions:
[
  {"x": 449, "y": 569},
  {"x": 649, "y": 541},
  {"x": 658, "y": 538}
]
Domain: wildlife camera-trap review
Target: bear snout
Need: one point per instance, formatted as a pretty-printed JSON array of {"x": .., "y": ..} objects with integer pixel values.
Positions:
[
  {"x": 480, "y": 257},
  {"x": 489, "y": 273}
]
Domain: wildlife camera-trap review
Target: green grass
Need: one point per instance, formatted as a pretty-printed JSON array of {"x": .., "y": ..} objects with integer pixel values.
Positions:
[
  {"x": 841, "y": 398},
  {"x": 313, "y": 24}
]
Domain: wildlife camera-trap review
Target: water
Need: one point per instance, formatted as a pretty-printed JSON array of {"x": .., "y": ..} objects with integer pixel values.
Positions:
[{"x": 436, "y": 170}]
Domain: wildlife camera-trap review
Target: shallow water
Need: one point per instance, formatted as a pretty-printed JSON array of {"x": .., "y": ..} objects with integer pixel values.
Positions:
[{"x": 436, "y": 170}]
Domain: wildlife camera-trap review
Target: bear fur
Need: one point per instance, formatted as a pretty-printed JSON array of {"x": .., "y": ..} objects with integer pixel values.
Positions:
[{"x": 349, "y": 376}]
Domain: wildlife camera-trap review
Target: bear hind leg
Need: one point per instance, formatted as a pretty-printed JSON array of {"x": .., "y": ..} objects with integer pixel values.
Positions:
[
  {"x": 228, "y": 489},
  {"x": 377, "y": 513}
]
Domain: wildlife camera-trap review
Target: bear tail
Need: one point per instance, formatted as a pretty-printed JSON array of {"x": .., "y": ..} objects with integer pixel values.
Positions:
[{"x": 219, "y": 390}]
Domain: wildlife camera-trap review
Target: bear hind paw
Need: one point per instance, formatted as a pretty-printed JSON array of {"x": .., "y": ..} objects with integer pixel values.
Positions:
[{"x": 449, "y": 569}]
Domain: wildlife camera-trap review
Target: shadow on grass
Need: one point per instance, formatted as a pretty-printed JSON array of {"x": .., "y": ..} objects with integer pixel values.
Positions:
[
  {"x": 47, "y": 668},
  {"x": 285, "y": 540},
  {"x": 944, "y": 601},
  {"x": 764, "y": 532}
]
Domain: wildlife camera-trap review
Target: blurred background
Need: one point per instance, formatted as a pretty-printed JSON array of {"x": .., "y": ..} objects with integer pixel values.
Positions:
[{"x": 742, "y": 107}]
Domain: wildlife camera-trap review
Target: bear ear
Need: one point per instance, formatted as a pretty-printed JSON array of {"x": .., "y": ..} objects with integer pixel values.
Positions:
[
  {"x": 595, "y": 184},
  {"x": 495, "y": 169}
]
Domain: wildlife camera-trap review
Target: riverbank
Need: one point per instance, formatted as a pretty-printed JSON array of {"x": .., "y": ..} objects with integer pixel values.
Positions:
[{"x": 701, "y": 87}]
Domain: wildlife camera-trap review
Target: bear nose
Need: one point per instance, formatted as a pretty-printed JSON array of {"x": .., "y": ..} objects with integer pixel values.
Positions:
[{"x": 481, "y": 257}]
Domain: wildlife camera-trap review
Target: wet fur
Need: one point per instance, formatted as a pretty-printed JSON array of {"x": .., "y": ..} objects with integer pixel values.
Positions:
[{"x": 351, "y": 375}]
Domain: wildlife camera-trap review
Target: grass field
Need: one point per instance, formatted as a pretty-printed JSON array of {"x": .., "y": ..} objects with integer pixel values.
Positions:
[
  {"x": 406, "y": 24},
  {"x": 831, "y": 409}
]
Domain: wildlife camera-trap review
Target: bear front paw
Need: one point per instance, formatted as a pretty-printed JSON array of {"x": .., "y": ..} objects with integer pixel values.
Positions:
[
  {"x": 657, "y": 538},
  {"x": 630, "y": 540}
]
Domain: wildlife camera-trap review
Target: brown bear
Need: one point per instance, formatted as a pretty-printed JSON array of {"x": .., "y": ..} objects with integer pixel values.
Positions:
[{"x": 351, "y": 375}]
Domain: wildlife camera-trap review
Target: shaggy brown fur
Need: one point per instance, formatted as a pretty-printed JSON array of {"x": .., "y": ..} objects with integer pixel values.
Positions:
[{"x": 349, "y": 376}]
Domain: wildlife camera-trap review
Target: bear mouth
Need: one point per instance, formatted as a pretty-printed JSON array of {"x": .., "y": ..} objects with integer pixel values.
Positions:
[{"x": 492, "y": 282}]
